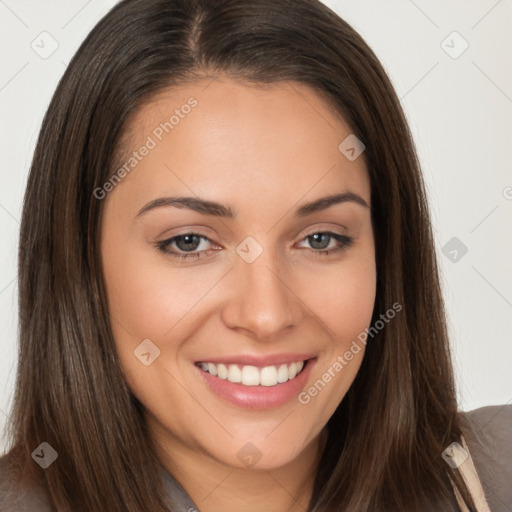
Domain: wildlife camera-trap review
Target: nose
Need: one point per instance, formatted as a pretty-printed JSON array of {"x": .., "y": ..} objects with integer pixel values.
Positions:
[{"x": 262, "y": 304}]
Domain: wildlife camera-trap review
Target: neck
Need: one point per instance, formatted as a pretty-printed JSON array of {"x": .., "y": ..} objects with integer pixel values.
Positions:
[{"x": 215, "y": 487}]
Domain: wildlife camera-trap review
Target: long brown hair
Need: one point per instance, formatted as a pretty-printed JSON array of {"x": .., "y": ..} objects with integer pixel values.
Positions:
[{"x": 387, "y": 435}]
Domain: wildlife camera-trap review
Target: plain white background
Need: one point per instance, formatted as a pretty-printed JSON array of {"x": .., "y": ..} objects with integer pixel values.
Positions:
[{"x": 459, "y": 104}]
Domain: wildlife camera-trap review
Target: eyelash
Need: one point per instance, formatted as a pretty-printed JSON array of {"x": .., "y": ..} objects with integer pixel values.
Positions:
[{"x": 343, "y": 240}]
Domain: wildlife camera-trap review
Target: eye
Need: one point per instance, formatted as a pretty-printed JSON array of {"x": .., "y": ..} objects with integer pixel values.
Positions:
[
  {"x": 184, "y": 246},
  {"x": 321, "y": 242}
]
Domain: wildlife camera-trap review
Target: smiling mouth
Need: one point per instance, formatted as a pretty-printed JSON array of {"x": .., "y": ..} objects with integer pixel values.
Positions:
[{"x": 248, "y": 375}]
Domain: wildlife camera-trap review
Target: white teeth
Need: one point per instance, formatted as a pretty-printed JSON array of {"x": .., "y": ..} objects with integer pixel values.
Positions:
[
  {"x": 268, "y": 376},
  {"x": 292, "y": 370},
  {"x": 234, "y": 373},
  {"x": 252, "y": 376},
  {"x": 282, "y": 374},
  {"x": 222, "y": 371}
]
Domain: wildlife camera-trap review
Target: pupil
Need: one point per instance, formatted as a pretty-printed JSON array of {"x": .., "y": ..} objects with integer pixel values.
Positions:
[
  {"x": 191, "y": 242},
  {"x": 317, "y": 244}
]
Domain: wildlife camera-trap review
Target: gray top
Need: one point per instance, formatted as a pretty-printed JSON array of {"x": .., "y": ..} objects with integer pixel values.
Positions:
[
  {"x": 176, "y": 494},
  {"x": 490, "y": 443},
  {"x": 489, "y": 439}
]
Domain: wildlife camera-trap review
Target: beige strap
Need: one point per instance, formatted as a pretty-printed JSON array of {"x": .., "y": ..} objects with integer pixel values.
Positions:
[{"x": 461, "y": 458}]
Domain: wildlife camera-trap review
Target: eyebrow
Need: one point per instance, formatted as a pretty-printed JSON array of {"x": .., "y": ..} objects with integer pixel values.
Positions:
[{"x": 219, "y": 210}]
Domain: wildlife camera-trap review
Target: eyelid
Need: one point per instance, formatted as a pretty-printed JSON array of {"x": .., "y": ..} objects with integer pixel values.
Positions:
[{"x": 322, "y": 228}]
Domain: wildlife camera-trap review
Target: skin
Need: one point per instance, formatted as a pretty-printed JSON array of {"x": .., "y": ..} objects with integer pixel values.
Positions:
[{"x": 263, "y": 151}]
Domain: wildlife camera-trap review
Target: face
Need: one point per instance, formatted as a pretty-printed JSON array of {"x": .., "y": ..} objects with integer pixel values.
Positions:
[{"x": 235, "y": 293}]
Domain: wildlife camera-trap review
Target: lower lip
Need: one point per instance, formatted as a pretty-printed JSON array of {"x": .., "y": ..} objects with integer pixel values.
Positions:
[{"x": 258, "y": 397}]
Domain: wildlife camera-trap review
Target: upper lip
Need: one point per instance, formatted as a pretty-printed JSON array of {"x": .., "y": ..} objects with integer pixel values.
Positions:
[{"x": 258, "y": 360}]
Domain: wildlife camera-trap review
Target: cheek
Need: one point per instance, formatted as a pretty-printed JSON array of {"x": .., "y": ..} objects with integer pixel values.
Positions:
[
  {"x": 150, "y": 300},
  {"x": 147, "y": 297},
  {"x": 343, "y": 295},
  {"x": 343, "y": 298}
]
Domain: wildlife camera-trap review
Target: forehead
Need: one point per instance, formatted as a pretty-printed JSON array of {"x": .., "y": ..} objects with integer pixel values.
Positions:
[{"x": 216, "y": 136}]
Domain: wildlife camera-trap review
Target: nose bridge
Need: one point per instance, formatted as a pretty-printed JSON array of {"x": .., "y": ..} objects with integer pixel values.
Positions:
[{"x": 262, "y": 302}]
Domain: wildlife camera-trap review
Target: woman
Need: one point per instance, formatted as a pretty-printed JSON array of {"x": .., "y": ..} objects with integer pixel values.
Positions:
[{"x": 229, "y": 296}]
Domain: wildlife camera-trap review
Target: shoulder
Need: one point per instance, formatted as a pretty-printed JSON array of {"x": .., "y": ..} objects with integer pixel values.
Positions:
[
  {"x": 14, "y": 499},
  {"x": 488, "y": 433}
]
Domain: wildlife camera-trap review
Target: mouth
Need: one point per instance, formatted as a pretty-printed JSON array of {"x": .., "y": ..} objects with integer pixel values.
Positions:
[
  {"x": 249, "y": 375},
  {"x": 255, "y": 383}
]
